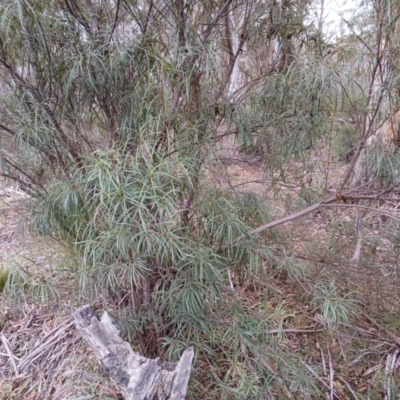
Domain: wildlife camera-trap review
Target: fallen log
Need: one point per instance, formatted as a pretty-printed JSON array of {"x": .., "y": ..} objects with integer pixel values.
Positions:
[{"x": 138, "y": 378}]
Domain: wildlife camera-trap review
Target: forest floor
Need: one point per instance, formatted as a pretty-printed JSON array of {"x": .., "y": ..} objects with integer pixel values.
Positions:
[{"x": 43, "y": 357}]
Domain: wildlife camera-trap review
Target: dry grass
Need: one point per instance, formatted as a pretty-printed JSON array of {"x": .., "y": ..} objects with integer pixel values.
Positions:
[
  {"x": 43, "y": 357},
  {"x": 41, "y": 354}
]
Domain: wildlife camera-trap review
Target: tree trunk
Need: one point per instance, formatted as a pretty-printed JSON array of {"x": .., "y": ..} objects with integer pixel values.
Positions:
[{"x": 139, "y": 378}]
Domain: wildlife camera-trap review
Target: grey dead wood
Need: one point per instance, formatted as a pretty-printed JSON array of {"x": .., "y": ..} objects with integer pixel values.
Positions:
[{"x": 139, "y": 378}]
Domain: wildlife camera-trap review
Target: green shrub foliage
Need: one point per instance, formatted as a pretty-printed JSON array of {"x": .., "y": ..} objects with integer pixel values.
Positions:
[{"x": 173, "y": 279}]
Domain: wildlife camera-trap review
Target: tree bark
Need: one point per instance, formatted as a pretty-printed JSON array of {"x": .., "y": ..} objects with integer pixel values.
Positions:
[{"x": 139, "y": 378}]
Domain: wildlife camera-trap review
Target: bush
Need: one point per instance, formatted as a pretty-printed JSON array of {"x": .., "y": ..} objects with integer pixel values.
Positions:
[{"x": 176, "y": 283}]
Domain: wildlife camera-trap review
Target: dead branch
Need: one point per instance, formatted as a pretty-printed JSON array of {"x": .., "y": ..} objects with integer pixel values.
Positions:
[
  {"x": 294, "y": 216},
  {"x": 328, "y": 202}
]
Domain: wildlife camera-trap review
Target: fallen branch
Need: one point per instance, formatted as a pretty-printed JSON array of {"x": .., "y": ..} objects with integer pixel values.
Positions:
[
  {"x": 359, "y": 229},
  {"x": 394, "y": 337},
  {"x": 294, "y": 216},
  {"x": 10, "y": 354},
  {"x": 327, "y": 203},
  {"x": 313, "y": 330},
  {"x": 328, "y": 387},
  {"x": 139, "y": 378},
  {"x": 359, "y": 206}
]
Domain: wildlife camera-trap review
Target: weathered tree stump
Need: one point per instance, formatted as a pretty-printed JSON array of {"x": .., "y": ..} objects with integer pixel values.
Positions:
[{"x": 139, "y": 378}]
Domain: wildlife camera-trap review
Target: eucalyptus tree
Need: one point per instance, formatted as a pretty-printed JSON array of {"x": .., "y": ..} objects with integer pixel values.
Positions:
[{"x": 374, "y": 104}]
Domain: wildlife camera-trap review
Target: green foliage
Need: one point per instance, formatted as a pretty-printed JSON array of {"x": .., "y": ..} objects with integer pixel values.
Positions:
[
  {"x": 344, "y": 143},
  {"x": 292, "y": 111},
  {"x": 123, "y": 214},
  {"x": 383, "y": 163},
  {"x": 334, "y": 306},
  {"x": 4, "y": 274}
]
